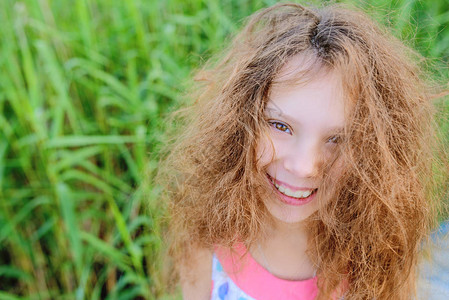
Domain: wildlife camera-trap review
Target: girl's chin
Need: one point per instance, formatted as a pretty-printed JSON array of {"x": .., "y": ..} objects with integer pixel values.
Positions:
[
  {"x": 291, "y": 214},
  {"x": 288, "y": 218}
]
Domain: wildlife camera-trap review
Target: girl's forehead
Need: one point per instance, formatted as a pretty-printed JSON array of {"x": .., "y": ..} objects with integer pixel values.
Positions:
[
  {"x": 306, "y": 69},
  {"x": 300, "y": 62},
  {"x": 300, "y": 69}
]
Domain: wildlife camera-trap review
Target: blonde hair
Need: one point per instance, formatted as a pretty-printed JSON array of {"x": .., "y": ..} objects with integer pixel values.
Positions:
[{"x": 379, "y": 210}]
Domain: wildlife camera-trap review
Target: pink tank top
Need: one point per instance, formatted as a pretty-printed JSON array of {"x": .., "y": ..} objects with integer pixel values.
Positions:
[{"x": 238, "y": 276}]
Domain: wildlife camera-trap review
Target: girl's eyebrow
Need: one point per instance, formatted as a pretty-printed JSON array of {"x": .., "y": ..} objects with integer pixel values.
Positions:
[
  {"x": 277, "y": 111},
  {"x": 337, "y": 130}
]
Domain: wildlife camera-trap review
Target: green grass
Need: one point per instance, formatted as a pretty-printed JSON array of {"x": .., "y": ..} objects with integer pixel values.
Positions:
[{"x": 83, "y": 89}]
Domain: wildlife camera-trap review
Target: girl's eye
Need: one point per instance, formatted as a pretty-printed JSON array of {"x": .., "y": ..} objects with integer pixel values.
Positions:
[
  {"x": 336, "y": 139},
  {"x": 281, "y": 126}
]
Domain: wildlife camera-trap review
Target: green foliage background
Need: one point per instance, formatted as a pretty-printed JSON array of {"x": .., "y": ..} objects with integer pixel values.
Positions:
[{"x": 83, "y": 89}]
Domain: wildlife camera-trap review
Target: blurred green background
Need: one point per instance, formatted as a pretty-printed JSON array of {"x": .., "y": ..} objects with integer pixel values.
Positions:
[{"x": 84, "y": 86}]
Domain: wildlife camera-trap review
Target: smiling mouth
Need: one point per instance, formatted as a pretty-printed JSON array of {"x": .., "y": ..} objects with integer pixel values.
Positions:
[{"x": 286, "y": 191}]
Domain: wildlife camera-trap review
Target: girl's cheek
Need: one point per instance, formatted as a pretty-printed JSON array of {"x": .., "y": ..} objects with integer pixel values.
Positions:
[
  {"x": 338, "y": 168},
  {"x": 264, "y": 151}
]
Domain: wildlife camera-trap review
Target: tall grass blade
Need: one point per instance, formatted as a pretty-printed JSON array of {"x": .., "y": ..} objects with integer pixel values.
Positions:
[{"x": 69, "y": 215}]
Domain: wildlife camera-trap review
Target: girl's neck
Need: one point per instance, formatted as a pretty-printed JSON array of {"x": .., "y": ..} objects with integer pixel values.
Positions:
[
  {"x": 287, "y": 235},
  {"x": 282, "y": 251},
  {"x": 292, "y": 231}
]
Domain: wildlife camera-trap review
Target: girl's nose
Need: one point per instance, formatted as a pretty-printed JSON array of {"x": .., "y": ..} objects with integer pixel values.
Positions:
[{"x": 303, "y": 162}]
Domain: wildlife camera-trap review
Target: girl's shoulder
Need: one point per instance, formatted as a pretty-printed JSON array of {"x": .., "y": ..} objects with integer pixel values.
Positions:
[
  {"x": 195, "y": 275},
  {"x": 223, "y": 287}
]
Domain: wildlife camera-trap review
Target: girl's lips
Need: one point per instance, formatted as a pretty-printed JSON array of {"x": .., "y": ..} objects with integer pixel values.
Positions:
[{"x": 296, "y": 201}]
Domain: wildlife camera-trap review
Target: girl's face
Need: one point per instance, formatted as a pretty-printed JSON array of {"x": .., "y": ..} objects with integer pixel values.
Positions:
[{"x": 306, "y": 124}]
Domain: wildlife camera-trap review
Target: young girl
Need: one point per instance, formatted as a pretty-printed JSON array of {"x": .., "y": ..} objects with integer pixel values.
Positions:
[{"x": 304, "y": 165}]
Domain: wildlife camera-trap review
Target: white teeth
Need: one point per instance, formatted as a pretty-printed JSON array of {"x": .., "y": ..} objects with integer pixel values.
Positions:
[
  {"x": 298, "y": 194},
  {"x": 306, "y": 194},
  {"x": 282, "y": 189},
  {"x": 286, "y": 191}
]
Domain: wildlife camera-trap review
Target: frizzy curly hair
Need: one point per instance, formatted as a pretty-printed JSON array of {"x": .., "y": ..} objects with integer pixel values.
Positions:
[{"x": 381, "y": 207}]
